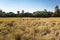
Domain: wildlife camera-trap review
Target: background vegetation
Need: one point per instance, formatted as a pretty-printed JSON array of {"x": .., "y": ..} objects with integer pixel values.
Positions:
[{"x": 44, "y": 13}]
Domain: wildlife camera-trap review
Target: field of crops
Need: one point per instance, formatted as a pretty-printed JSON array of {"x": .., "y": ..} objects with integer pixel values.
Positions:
[{"x": 29, "y": 28}]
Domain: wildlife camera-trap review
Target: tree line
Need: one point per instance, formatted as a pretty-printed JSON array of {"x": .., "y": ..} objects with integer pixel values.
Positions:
[{"x": 44, "y": 13}]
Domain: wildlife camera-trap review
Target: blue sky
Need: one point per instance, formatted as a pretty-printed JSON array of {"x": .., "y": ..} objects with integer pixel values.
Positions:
[{"x": 28, "y": 5}]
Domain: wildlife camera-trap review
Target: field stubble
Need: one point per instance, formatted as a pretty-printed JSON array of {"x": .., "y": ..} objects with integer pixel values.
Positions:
[{"x": 29, "y": 28}]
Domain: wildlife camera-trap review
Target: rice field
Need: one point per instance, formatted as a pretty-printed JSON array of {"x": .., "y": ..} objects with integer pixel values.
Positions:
[{"x": 29, "y": 28}]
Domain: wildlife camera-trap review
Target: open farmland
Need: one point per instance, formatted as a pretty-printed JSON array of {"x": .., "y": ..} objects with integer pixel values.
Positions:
[{"x": 29, "y": 28}]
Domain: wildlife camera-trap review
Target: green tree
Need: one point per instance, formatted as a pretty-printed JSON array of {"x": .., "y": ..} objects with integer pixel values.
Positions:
[
  {"x": 10, "y": 14},
  {"x": 57, "y": 13}
]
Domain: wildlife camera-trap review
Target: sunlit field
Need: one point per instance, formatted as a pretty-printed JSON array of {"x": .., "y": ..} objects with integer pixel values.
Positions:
[{"x": 29, "y": 28}]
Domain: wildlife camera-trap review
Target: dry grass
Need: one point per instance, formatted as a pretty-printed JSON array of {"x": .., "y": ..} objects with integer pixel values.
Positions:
[{"x": 29, "y": 28}]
